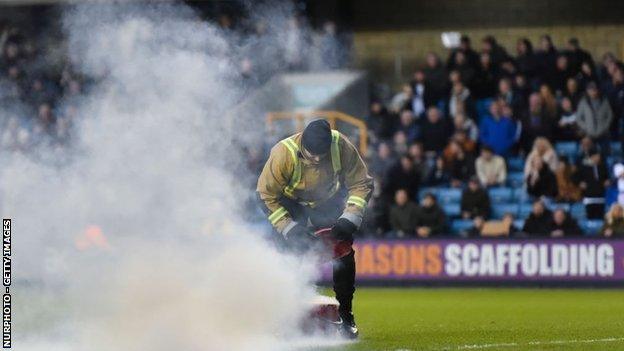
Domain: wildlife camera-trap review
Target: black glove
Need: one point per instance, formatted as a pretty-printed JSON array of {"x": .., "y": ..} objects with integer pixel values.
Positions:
[
  {"x": 343, "y": 229},
  {"x": 299, "y": 233}
]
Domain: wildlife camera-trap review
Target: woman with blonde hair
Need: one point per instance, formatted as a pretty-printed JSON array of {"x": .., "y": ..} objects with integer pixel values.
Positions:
[
  {"x": 614, "y": 222},
  {"x": 542, "y": 149}
]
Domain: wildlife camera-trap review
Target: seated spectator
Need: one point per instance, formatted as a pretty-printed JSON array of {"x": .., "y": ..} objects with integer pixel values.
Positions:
[
  {"x": 459, "y": 100},
  {"x": 540, "y": 180},
  {"x": 399, "y": 142},
  {"x": 564, "y": 225},
  {"x": 613, "y": 226},
  {"x": 542, "y": 149},
  {"x": 403, "y": 215},
  {"x": 402, "y": 99},
  {"x": 430, "y": 219},
  {"x": 382, "y": 161},
  {"x": 567, "y": 128},
  {"x": 498, "y": 131},
  {"x": 467, "y": 144},
  {"x": 475, "y": 201},
  {"x": 615, "y": 192},
  {"x": 458, "y": 164},
  {"x": 408, "y": 125},
  {"x": 562, "y": 73},
  {"x": 539, "y": 221},
  {"x": 421, "y": 163},
  {"x": 567, "y": 189},
  {"x": 438, "y": 176},
  {"x": 573, "y": 92},
  {"x": 593, "y": 179},
  {"x": 381, "y": 124},
  {"x": 594, "y": 114},
  {"x": 586, "y": 149},
  {"x": 402, "y": 176},
  {"x": 467, "y": 125},
  {"x": 535, "y": 122},
  {"x": 435, "y": 131},
  {"x": 512, "y": 98},
  {"x": 491, "y": 169}
]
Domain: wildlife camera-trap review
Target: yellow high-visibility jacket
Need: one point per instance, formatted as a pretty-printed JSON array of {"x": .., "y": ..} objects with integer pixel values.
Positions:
[{"x": 287, "y": 174}]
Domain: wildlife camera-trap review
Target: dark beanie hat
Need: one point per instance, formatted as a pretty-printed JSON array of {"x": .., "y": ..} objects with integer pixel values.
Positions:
[{"x": 317, "y": 137}]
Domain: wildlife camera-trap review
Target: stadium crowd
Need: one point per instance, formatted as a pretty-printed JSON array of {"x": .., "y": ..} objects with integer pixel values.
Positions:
[{"x": 489, "y": 143}]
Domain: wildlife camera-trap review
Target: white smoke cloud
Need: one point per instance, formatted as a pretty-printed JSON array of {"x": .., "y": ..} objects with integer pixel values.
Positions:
[{"x": 156, "y": 169}]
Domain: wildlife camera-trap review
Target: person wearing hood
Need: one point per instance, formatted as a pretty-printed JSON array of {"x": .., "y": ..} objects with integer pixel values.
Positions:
[
  {"x": 430, "y": 219},
  {"x": 594, "y": 115}
]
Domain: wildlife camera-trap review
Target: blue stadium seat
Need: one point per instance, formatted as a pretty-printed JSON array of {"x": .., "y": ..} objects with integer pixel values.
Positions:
[
  {"x": 449, "y": 195},
  {"x": 610, "y": 162},
  {"x": 616, "y": 149},
  {"x": 577, "y": 211},
  {"x": 499, "y": 210},
  {"x": 525, "y": 210},
  {"x": 567, "y": 148},
  {"x": 451, "y": 210},
  {"x": 520, "y": 195},
  {"x": 519, "y": 224},
  {"x": 551, "y": 205},
  {"x": 515, "y": 179},
  {"x": 460, "y": 225},
  {"x": 591, "y": 226},
  {"x": 426, "y": 190},
  {"x": 500, "y": 195},
  {"x": 515, "y": 164}
]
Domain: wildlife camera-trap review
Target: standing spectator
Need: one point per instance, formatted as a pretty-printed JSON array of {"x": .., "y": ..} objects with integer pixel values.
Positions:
[
  {"x": 475, "y": 201},
  {"x": 614, "y": 90},
  {"x": 435, "y": 131},
  {"x": 549, "y": 102},
  {"x": 576, "y": 55},
  {"x": 422, "y": 165},
  {"x": 436, "y": 76},
  {"x": 403, "y": 215},
  {"x": 466, "y": 125},
  {"x": 567, "y": 190},
  {"x": 593, "y": 179},
  {"x": 562, "y": 73},
  {"x": 539, "y": 222},
  {"x": 542, "y": 149},
  {"x": 487, "y": 78},
  {"x": 490, "y": 168},
  {"x": 430, "y": 219},
  {"x": 512, "y": 98},
  {"x": 402, "y": 99},
  {"x": 564, "y": 225},
  {"x": 535, "y": 122},
  {"x": 573, "y": 92},
  {"x": 459, "y": 100},
  {"x": 540, "y": 180},
  {"x": 497, "y": 131},
  {"x": 525, "y": 59},
  {"x": 408, "y": 126},
  {"x": 469, "y": 55},
  {"x": 402, "y": 176},
  {"x": 382, "y": 161},
  {"x": 546, "y": 58},
  {"x": 424, "y": 97},
  {"x": 490, "y": 46},
  {"x": 381, "y": 124},
  {"x": 567, "y": 128},
  {"x": 594, "y": 115},
  {"x": 613, "y": 226}
]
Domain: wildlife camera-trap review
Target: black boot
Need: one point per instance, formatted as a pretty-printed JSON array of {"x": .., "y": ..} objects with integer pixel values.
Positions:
[{"x": 348, "y": 328}]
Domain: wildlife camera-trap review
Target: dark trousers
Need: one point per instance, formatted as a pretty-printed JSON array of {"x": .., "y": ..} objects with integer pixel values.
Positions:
[{"x": 324, "y": 216}]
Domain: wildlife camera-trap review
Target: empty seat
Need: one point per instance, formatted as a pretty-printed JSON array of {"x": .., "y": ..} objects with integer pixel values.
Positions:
[
  {"x": 500, "y": 195},
  {"x": 515, "y": 164},
  {"x": 519, "y": 224},
  {"x": 577, "y": 211},
  {"x": 499, "y": 210},
  {"x": 591, "y": 226},
  {"x": 557, "y": 205},
  {"x": 520, "y": 195},
  {"x": 567, "y": 148},
  {"x": 451, "y": 210},
  {"x": 515, "y": 179},
  {"x": 525, "y": 210},
  {"x": 460, "y": 225},
  {"x": 449, "y": 195},
  {"x": 423, "y": 191}
]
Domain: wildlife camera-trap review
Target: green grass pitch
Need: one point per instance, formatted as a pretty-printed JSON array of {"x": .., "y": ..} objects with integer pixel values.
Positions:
[{"x": 489, "y": 319}]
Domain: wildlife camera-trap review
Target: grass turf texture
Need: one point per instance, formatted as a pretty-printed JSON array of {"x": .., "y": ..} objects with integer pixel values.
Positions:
[{"x": 452, "y": 319}]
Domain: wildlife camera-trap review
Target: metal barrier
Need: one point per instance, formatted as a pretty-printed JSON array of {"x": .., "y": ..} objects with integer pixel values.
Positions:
[{"x": 331, "y": 116}]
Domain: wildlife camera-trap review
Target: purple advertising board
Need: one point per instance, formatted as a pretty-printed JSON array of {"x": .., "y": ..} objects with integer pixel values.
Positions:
[{"x": 489, "y": 260}]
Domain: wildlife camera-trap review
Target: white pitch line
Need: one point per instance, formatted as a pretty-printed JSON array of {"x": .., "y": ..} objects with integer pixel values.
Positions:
[{"x": 533, "y": 343}]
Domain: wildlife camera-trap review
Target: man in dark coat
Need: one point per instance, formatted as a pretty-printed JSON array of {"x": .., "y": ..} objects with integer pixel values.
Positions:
[
  {"x": 564, "y": 225},
  {"x": 430, "y": 219},
  {"x": 403, "y": 215},
  {"x": 539, "y": 222},
  {"x": 475, "y": 201},
  {"x": 435, "y": 131}
]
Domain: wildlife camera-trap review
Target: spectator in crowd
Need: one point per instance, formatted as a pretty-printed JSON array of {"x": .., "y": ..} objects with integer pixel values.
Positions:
[
  {"x": 475, "y": 231},
  {"x": 614, "y": 90},
  {"x": 409, "y": 126},
  {"x": 535, "y": 123},
  {"x": 458, "y": 163},
  {"x": 439, "y": 175},
  {"x": 613, "y": 226},
  {"x": 593, "y": 179},
  {"x": 563, "y": 72},
  {"x": 549, "y": 103},
  {"x": 459, "y": 100},
  {"x": 435, "y": 131},
  {"x": 615, "y": 191},
  {"x": 490, "y": 46},
  {"x": 423, "y": 96},
  {"x": 402, "y": 100},
  {"x": 403, "y": 215},
  {"x": 498, "y": 131},
  {"x": 546, "y": 58},
  {"x": 422, "y": 165},
  {"x": 487, "y": 77},
  {"x": 469, "y": 57},
  {"x": 475, "y": 201},
  {"x": 567, "y": 189},
  {"x": 382, "y": 161},
  {"x": 491, "y": 169},
  {"x": 512, "y": 98},
  {"x": 467, "y": 125},
  {"x": 399, "y": 142},
  {"x": 542, "y": 149},
  {"x": 563, "y": 224},
  {"x": 436, "y": 76},
  {"x": 577, "y": 56},
  {"x": 467, "y": 144},
  {"x": 594, "y": 114},
  {"x": 586, "y": 149},
  {"x": 430, "y": 219},
  {"x": 381, "y": 124},
  {"x": 539, "y": 222},
  {"x": 540, "y": 180},
  {"x": 402, "y": 175},
  {"x": 567, "y": 128},
  {"x": 525, "y": 59},
  {"x": 573, "y": 92}
]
